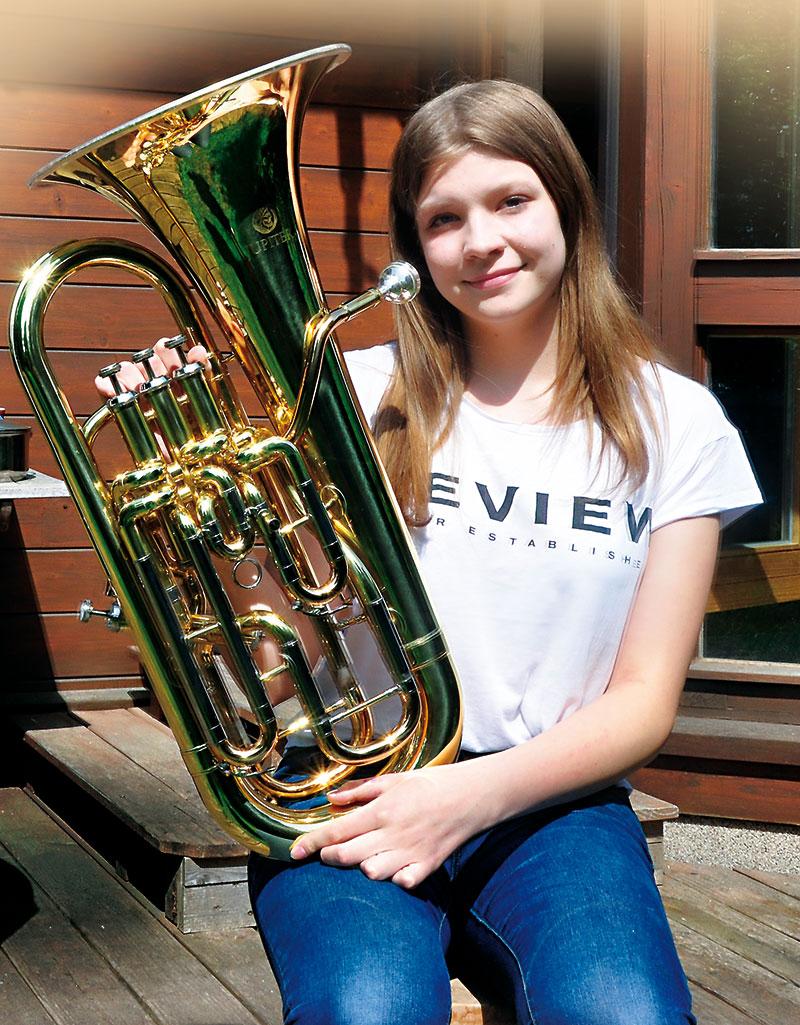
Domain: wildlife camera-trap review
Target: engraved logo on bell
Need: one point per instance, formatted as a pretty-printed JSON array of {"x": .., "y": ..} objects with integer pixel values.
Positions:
[
  {"x": 265, "y": 223},
  {"x": 265, "y": 220}
]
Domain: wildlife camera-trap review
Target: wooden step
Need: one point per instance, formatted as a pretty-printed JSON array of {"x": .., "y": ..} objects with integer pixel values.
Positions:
[{"x": 117, "y": 776}]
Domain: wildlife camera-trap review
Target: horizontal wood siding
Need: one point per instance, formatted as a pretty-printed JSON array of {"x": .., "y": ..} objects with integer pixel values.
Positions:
[{"x": 49, "y": 105}]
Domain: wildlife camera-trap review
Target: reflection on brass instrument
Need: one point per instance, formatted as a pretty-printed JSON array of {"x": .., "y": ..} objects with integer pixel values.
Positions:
[{"x": 210, "y": 495}]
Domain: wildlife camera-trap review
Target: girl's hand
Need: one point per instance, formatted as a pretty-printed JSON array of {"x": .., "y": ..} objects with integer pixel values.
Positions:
[
  {"x": 402, "y": 826},
  {"x": 165, "y": 361}
]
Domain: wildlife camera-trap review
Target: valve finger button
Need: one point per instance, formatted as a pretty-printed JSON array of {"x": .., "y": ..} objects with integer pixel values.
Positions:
[
  {"x": 143, "y": 357},
  {"x": 177, "y": 342},
  {"x": 110, "y": 372}
]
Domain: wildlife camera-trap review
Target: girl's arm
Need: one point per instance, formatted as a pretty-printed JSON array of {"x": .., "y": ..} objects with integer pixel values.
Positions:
[{"x": 403, "y": 826}]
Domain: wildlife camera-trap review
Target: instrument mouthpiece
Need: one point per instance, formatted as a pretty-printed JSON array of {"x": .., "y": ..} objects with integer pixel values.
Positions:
[{"x": 399, "y": 282}]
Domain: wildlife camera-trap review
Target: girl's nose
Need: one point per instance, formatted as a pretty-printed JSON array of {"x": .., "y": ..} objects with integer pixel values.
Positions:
[{"x": 482, "y": 237}]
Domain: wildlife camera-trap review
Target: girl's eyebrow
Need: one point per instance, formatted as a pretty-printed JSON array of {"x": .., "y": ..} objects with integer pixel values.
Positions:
[{"x": 510, "y": 186}]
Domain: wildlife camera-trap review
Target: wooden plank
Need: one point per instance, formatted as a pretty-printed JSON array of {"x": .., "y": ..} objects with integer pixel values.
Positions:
[
  {"x": 50, "y": 118},
  {"x": 147, "y": 960},
  {"x": 51, "y": 647},
  {"x": 19, "y": 1001},
  {"x": 736, "y": 740},
  {"x": 126, "y": 318},
  {"x": 750, "y": 897},
  {"x": 788, "y": 884},
  {"x": 747, "y": 301},
  {"x": 333, "y": 199},
  {"x": 217, "y": 907},
  {"x": 710, "y": 691},
  {"x": 49, "y": 581},
  {"x": 59, "y": 118},
  {"x": 699, "y": 789},
  {"x": 74, "y": 695},
  {"x": 168, "y": 821},
  {"x": 238, "y": 960},
  {"x": 675, "y": 106},
  {"x": 100, "y": 318},
  {"x": 45, "y": 523},
  {"x": 709, "y": 1009},
  {"x": 70, "y": 979},
  {"x": 150, "y": 744},
  {"x": 467, "y": 1010},
  {"x": 651, "y": 809},
  {"x": 347, "y": 262},
  {"x": 746, "y": 578},
  {"x": 731, "y": 977},
  {"x": 711, "y": 915},
  {"x": 182, "y": 59}
]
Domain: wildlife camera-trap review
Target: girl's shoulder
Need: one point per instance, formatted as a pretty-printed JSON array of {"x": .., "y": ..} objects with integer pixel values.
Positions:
[
  {"x": 682, "y": 404},
  {"x": 377, "y": 360},
  {"x": 370, "y": 370},
  {"x": 701, "y": 466}
]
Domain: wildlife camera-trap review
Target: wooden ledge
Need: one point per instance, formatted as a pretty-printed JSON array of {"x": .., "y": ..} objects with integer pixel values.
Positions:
[
  {"x": 771, "y": 743},
  {"x": 126, "y": 763},
  {"x": 130, "y": 764}
]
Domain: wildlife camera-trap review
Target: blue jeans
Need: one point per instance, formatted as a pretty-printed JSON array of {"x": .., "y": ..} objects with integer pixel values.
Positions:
[{"x": 554, "y": 914}]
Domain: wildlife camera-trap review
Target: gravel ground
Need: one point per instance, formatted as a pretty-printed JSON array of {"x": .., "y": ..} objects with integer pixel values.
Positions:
[{"x": 733, "y": 844}]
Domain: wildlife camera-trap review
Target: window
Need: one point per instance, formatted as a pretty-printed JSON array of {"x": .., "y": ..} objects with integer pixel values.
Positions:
[
  {"x": 747, "y": 310},
  {"x": 757, "y": 593},
  {"x": 756, "y": 125}
]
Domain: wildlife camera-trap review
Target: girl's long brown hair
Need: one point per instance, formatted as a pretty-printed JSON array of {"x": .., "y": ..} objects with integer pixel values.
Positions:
[{"x": 603, "y": 345}]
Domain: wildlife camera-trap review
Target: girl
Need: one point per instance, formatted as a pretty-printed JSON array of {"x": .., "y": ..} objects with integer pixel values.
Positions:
[{"x": 565, "y": 494}]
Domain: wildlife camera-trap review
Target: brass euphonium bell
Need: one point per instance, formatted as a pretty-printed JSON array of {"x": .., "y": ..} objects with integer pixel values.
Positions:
[{"x": 214, "y": 177}]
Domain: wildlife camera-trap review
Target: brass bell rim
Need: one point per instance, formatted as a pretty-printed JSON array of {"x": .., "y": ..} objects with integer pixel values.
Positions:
[{"x": 338, "y": 52}]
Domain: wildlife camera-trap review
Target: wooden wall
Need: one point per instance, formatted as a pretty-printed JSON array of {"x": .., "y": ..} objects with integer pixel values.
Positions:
[{"x": 68, "y": 79}]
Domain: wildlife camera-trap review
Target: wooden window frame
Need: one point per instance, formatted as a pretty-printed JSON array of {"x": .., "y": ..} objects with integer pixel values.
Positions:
[{"x": 684, "y": 287}]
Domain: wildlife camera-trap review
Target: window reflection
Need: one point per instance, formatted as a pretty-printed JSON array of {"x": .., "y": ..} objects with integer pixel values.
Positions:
[
  {"x": 753, "y": 379},
  {"x": 756, "y": 124},
  {"x": 758, "y": 633},
  {"x": 758, "y": 610}
]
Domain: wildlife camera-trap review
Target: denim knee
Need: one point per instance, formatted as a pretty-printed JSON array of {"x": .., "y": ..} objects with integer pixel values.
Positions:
[
  {"x": 615, "y": 1002},
  {"x": 373, "y": 998},
  {"x": 348, "y": 950}
]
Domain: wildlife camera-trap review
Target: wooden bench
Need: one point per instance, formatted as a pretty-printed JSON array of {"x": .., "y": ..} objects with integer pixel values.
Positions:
[
  {"x": 117, "y": 776},
  {"x": 729, "y": 768}
]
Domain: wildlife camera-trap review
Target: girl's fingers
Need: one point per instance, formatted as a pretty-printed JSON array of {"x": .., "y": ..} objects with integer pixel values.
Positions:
[
  {"x": 357, "y": 792},
  {"x": 164, "y": 361}
]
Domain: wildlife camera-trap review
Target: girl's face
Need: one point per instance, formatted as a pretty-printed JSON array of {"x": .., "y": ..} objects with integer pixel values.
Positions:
[{"x": 492, "y": 240}]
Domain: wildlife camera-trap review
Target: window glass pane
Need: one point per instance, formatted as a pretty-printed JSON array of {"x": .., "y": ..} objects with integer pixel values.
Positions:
[
  {"x": 756, "y": 130},
  {"x": 759, "y": 633},
  {"x": 751, "y": 378},
  {"x": 754, "y": 378}
]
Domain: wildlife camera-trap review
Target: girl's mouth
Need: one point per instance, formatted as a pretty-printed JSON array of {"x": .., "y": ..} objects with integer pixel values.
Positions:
[{"x": 495, "y": 279}]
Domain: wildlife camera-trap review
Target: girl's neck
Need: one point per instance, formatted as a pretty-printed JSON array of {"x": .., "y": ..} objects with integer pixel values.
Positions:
[{"x": 512, "y": 371}]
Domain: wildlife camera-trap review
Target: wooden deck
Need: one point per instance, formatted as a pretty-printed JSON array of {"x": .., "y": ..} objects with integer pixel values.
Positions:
[{"x": 81, "y": 947}]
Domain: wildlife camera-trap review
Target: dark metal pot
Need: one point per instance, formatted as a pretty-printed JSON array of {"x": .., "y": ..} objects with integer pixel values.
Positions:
[{"x": 13, "y": 449}]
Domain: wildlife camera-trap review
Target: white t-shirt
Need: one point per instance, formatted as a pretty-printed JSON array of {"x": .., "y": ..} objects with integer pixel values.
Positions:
[{"x": 532, "y": 558}]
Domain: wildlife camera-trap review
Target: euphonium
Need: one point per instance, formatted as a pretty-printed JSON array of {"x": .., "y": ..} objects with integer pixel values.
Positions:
[{"x": 214, "y": 177}]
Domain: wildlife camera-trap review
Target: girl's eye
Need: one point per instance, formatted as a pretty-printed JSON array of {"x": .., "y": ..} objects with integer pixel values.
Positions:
[
  {"x": 440, "y": 220},
  {"x": 514, "y": 202}
]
